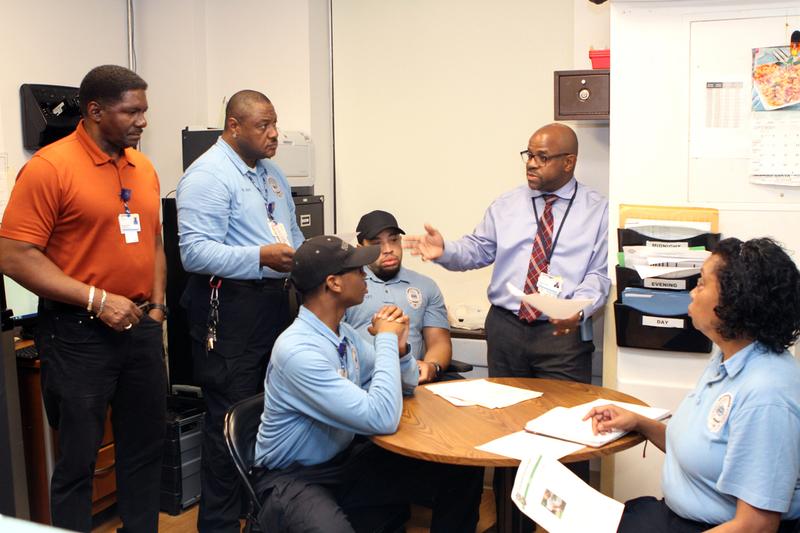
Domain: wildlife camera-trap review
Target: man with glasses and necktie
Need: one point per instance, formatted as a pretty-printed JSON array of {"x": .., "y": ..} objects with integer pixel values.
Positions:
[{"x": 548, "y": 235}]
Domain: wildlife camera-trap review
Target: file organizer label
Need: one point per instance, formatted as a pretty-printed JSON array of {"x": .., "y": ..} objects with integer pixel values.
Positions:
[
  {"x": 663, "y": 244},
  {"x": 660, "y": 283},
  {"x": 662, "y": 322}
]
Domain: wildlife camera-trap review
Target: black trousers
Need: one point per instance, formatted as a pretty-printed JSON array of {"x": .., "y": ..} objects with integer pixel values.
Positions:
[
  {"x": 87, "y": 366},
  {"x": 251, "y": 316},
  {"x": 318, "y": 498},
  {"x": 652, "y": 515},
  {"x": 518, "y": 349}
]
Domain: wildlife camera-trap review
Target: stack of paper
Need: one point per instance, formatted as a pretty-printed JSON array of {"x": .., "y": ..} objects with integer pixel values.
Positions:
[
  {"x": 664, "y": 257},
  {"x": 481, "y": 392},
  {"x": 568, "y": 424},
  {"x": 557, "y": 308},
  {"x": 557, "y": 500}
]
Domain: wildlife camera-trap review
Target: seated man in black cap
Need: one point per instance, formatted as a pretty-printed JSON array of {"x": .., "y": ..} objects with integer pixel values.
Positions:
[
  {"x": 325, "y": 384},
  {"x": 388, "y": 282}
]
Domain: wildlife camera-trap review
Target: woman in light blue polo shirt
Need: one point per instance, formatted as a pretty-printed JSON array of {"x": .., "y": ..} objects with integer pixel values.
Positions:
[{"x": 733, "y": 445}]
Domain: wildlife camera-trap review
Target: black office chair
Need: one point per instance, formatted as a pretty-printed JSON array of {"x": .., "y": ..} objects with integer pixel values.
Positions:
[{"x": 241, "y": 427}]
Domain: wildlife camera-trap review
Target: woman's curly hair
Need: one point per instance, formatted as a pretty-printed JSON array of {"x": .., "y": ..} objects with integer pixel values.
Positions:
[{"x": 759, "y": 293}]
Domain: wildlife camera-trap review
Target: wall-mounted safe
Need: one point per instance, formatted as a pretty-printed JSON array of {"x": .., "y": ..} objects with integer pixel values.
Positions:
[{"x": 581, "y": 94}]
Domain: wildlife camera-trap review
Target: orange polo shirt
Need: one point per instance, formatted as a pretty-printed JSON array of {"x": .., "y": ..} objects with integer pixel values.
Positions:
[{"x": 66, "y": 201}]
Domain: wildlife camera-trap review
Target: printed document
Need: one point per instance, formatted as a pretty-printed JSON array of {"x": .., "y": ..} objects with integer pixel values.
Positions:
[{"x": 559, "y": 501}]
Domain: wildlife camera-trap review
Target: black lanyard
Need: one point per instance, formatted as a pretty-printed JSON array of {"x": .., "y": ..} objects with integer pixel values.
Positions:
[{"x": 560, "y": 226}]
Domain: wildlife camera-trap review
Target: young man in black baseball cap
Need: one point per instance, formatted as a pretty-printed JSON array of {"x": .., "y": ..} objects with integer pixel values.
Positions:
[
  {"x": 389, "y": 282},
  {"x": 325, "y": 384}
]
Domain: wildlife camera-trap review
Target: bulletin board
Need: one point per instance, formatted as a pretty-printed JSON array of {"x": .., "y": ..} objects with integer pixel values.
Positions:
[{"x": 733, "y": 140}]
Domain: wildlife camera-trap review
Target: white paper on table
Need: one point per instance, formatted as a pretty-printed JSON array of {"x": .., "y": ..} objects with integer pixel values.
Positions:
[
  {"x": 457, "y": 401},
  {"x": 558, "y": 308},
  {"x": 567, "y": 422},
  {"x": 559, "y": 501},
  {"x": 481, "y": 392},
  {"x": 521, "y": 445}
]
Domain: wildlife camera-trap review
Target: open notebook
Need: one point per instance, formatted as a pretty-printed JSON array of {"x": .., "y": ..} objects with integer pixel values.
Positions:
[{"x": 565, "y": 422}]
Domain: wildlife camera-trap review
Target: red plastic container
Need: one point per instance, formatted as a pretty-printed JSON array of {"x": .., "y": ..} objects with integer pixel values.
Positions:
[{"x": 600, "y": 58}]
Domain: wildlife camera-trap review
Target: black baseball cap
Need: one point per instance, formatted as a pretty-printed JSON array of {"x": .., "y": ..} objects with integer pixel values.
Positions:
[
  {"x": 375, "y": 222},
  {"x": 321, "y": 256}
]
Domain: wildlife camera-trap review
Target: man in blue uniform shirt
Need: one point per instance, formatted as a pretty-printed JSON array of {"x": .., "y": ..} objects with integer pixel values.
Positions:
[
  {"x": 325, "y": 384},
  {"x": 388, "y": 282},
  {"x": 237, "y": 236}
]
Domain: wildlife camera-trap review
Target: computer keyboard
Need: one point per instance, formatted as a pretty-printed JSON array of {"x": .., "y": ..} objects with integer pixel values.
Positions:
[{"x": 28, "y": 352}]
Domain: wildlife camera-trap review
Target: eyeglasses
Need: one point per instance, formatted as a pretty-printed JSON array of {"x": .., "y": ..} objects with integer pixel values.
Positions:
[{"x": 539, "y": 159}]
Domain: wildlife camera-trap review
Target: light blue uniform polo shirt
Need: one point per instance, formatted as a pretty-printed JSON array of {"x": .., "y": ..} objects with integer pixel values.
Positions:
[
  {"x": 323, "y": 388},
  {"x": 418, "y": 296},
  {"x": 737, "y": 436},
  {"x": 224, "y": 212}
]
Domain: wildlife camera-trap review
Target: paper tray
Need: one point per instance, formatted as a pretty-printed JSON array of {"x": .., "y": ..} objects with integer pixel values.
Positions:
[
  {"x": 631, "y": 237},
  {"x": 628, "y": 277},
  {"x": 653, "y": 332}
]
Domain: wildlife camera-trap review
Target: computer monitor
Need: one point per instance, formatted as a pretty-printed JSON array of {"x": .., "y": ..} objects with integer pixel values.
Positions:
[{"x": 22, "y": 303}]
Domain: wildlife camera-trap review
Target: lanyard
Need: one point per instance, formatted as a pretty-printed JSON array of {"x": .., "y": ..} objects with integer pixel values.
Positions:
[
  {"x": 264, "y": 194},
  {"x": 560, "y": 226},
  {"x": 342, "y": 349}
]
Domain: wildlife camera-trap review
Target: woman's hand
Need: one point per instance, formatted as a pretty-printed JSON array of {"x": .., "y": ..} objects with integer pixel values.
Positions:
[{"x": 608, "y": 418}]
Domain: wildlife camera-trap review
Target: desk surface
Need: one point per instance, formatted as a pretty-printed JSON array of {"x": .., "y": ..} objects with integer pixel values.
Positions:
[{"x": 433, "y": 429}]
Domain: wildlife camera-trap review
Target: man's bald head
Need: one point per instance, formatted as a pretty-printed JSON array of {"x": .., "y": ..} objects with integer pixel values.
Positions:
[
  {"x": 561, "y": 136},
  {"x": 551, "y": 157},
  {"x": 242, "y": 103}
]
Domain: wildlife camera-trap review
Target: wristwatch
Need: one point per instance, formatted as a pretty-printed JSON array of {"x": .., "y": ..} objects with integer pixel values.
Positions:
[
  {"x": 438, "y": 368},
  {"x": 161, "y": 307}
]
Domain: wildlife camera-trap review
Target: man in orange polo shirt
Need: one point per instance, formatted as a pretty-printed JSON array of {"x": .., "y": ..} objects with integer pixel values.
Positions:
[{"x": 82, "y": 231}]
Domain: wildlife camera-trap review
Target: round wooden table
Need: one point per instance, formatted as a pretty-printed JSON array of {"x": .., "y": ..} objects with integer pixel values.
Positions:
[{"x": 433, "y": 429}]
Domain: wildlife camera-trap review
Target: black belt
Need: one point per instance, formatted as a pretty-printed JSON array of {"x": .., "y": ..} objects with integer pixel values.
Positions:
[
  {"x": 61, "y": 307},
  {"x": 535, "y": 323},
  {"x": 263, "y": 283}
]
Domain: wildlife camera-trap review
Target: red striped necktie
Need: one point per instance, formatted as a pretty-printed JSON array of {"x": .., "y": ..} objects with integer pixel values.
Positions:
[{"x": 539, "y": 257}]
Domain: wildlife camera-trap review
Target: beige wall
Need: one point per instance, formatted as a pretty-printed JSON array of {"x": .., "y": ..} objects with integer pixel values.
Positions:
[
  {"x": 44, "y": 42},
  {"x": 433, "y": 102}
]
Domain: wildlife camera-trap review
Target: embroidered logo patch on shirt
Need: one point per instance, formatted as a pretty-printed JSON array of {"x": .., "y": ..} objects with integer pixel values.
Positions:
[
  {"x": 719, "y": 412},
  {"x": 275, "y": 187},
  {"x": 414, "y": 297}
]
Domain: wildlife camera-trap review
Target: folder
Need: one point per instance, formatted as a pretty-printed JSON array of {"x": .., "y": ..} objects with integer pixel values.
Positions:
[
  {"x": 677, "y": 214},
  {"x": 656, "y": 302},
  {"x": 567, "y": 423}
]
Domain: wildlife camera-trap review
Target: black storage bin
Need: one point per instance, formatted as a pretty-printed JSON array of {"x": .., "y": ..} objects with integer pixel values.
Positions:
[
  {"x": 645, "y": 330},
  {"x": 180, "y": 470}
]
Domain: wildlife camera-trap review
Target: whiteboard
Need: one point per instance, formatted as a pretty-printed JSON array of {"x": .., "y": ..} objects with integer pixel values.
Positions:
[{"x": 719, "y": 157}]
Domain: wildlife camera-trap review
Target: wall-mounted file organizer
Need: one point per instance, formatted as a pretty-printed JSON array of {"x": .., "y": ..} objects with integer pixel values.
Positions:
[{"x": 656, "y": 325}]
